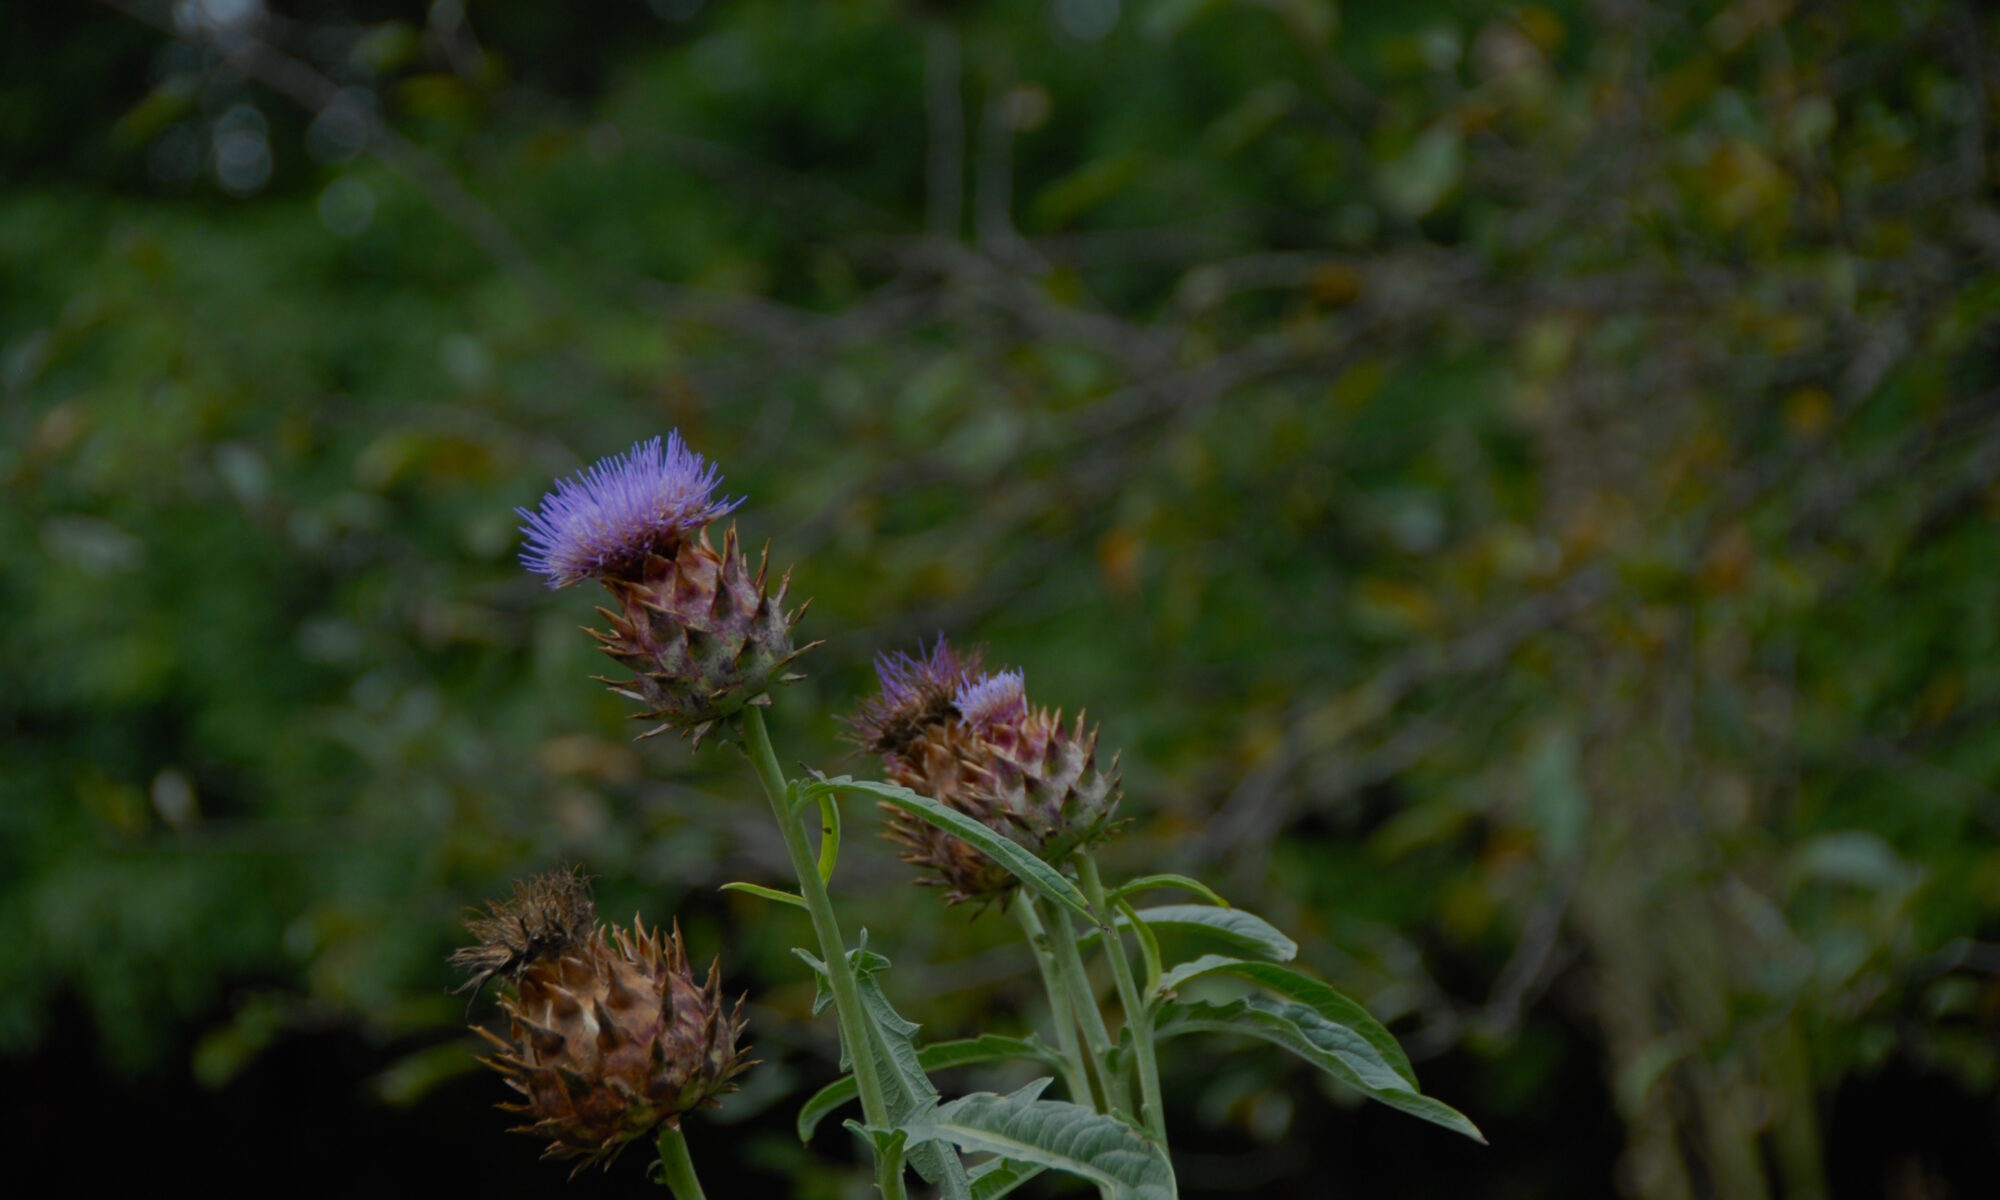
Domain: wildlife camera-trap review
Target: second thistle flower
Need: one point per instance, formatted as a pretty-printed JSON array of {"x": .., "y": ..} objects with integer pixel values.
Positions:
[
  {"x": 695, "y": 627},
  {"x": 971, "y": 740}
]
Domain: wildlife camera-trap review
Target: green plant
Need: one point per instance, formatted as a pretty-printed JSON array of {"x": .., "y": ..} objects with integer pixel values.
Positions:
[{"x": 1002, "y": 801}]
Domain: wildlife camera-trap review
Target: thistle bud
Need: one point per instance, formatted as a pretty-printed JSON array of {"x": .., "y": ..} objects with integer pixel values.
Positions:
[
  {"x": 609, "y": 1035},
  {"x": 972, "y": 741},
  {"x": 694, "y": 626}
]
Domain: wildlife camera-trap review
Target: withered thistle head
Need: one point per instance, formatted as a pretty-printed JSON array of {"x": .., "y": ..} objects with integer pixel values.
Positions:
[
  {"x": 972, "y": 741},
  {"x": 609, "y": 1034},
  {"x": 545, "y": 916},
  {"x": 693, "y": 625}
]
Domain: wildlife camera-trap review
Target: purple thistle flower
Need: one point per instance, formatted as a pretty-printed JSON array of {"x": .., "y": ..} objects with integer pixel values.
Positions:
[
  {"x": 984, "y": 701},
  {"x": 917, "y": 689},
  {"x": 606, "y": 519},
  {"x": 907, "y": 678}
]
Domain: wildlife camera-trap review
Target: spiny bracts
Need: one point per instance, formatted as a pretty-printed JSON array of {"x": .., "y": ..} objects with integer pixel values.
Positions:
[
  {"x": 972, "y": 741},
  {"x": 609, "y": 1034},
  {"x": 699, "y": 634}
]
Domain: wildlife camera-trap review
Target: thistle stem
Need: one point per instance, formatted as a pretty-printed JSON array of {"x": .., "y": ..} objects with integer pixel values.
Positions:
[
  {"x": 676, "y": 1168},
  {"x": 1069, "y": 967},
  {"x": 1075, "y": 1076},
  {"x": 1136, "y": 1018},
  {"x": 839, "y": 972}
]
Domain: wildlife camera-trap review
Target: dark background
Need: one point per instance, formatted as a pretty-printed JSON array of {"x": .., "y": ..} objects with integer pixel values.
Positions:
[{"x": 1519, "y": 483}]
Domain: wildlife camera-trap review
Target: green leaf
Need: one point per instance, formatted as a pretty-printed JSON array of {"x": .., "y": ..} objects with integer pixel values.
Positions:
[
  {"x": 889, "y": 1144},
  {"x": 1147, "y": 883},
  {"x": 1200, "y": 929},
  {"x": 906, "y": 1088},
  {"x": 829, "y": 835},
  {"x": 1054, "y": 1134},
  {"x": 1016, "y": 859},
  {"x": 1149, "y": 945},
  {"x": 1339, "y": 1051},
  {"x": 1316, "y": 995},
  {"x": 996, "y": 1177},
  {"x": 823, "y": 996},
  {"x": 939, "y": 1056},
  {"x": 758, "y": 889}
]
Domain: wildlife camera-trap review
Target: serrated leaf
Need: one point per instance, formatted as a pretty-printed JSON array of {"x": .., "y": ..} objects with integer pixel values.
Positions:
[
  {"x": 1054, "y": 1134},
  {"x": 1311, "y": 992},
  {"x": 939, "y": 1056},
  {"x": 1335, "y": 1049},
  {"x": 1232, "y": 932},
  {"x": 907, "y": 1089},
  {"x": 1011, "y": 856}
]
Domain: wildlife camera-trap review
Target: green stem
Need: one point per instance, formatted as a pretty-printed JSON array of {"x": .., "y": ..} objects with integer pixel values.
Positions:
[
  {"x": 1128, "y": 998},
  {"x": 1075, "y": 1077},
  {"x": 675, "y": 1165},
  {"x": 839, "y": 972},
  {"x": 889, "y": 1177},
  {"x": 1069, "y": 967}
]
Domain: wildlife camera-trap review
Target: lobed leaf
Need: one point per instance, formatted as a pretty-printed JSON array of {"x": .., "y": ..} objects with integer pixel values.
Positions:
[
  {"x": 1055, "y": 1135},
  {"x": 906, "y": 1087},
  {"x": 938, "y": 1056}
]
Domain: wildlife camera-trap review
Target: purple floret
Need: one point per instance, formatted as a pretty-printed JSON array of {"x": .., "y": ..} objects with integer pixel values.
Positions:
[
  {"x": 908, "y": 678},
  {"x": 984, "y": 701},
  {"x": 917, "y": 690},
  {"x": 610, "y": 516}
]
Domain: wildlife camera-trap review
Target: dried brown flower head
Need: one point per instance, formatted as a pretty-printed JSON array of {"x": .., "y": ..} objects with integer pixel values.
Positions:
[{"x": 609, "y": 1034}]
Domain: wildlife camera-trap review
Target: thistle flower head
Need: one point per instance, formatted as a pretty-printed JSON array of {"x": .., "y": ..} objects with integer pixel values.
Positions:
[
  {"x": 609, "y": 1034},
  {"x": 608, "y": 518},
  {"x": 971, "y": 740},
  {"x": 693, "y": 625},
  {"x": 918, "y": 691}
]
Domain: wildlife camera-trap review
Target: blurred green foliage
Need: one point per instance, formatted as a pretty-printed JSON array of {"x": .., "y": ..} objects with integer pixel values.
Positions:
[{"x": 1519, "y": 482}]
